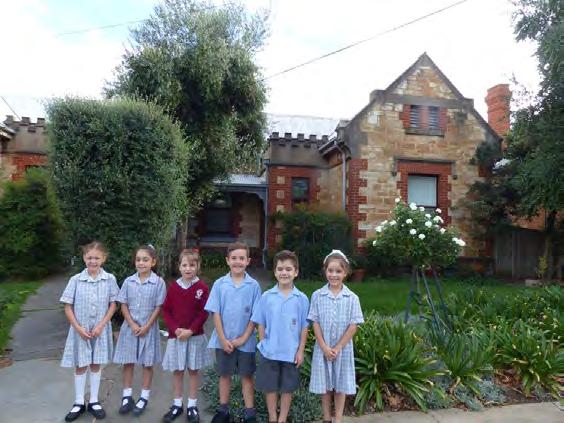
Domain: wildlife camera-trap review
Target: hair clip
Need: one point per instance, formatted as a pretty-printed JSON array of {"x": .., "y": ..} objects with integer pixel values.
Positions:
[
  {"x": 336, "y": 252},
  {"x": 151, "y": 246}
]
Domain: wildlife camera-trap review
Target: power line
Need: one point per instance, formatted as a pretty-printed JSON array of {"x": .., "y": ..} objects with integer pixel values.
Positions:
[
  {"x": 10, "y": 107},
  {"x": 80, "y": 31},
  {"x": 395, "y": 28}
]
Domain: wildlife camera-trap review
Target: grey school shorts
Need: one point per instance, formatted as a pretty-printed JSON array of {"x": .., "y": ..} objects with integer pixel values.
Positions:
[
  {"x": 240, "y": 362},
  {"x": 277, "y": 376}
]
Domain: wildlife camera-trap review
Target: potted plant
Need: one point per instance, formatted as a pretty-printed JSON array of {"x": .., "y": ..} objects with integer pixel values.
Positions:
[{"x": 358, "y": 266}]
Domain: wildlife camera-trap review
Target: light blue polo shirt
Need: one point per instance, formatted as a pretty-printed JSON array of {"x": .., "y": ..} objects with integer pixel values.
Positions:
[
  {"x": 236, "y": 305},
  {"x": 283, "y": 318}
]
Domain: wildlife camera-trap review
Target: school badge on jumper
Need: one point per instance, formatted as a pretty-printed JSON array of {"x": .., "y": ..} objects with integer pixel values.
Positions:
[
  {"x": 199, "y": 293},
  {"x": 247, "y": 309}
]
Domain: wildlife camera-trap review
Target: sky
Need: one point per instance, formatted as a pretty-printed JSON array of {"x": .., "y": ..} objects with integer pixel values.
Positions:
[{"x": 472, "y": 43}]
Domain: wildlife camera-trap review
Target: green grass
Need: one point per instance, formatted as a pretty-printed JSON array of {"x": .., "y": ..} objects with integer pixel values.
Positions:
[
  {"x": 12, "y": 297},
  {"x": 389, "y": 296}
]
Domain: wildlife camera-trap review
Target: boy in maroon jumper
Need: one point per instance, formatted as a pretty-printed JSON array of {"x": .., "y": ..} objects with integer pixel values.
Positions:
[{"x": 184, "y": 315}]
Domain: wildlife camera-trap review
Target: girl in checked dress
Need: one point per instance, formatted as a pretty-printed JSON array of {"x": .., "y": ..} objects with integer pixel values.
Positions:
[{"x": 141, "y": 297}]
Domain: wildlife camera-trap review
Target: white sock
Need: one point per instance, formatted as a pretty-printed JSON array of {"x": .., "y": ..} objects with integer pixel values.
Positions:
[
  {"x": 94, "y": 385},
  {"x": 127, "y": 392},
  {"x": 177, "y": 402},
  {"x": 192, "y": 402},
  {"x": 79, "y": 385},
  {"x": 145, "y": 394}
]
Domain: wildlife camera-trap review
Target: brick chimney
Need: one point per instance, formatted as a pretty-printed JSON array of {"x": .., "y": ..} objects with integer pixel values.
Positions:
[{"x": 498, "y": 100}]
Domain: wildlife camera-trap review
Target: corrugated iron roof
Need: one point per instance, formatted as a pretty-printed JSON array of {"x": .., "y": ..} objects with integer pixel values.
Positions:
[{"x": 296, "y": 124}]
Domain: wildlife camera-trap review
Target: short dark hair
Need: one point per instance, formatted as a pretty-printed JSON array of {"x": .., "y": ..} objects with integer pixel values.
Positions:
[
  {"x": 238, "y": 246},
  {"x": 287, "y": 255}
]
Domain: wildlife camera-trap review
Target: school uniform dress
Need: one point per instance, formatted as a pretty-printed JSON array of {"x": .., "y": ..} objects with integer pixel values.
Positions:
[
  {"x": 334, "y": 314},
  {"x": 141, "y": 300},
  {"x": 90, "y": 298},
  {"x": 284, "y": 318},
  {"x": 183, "y": 307},
  {"x": 235, "y": 304}
]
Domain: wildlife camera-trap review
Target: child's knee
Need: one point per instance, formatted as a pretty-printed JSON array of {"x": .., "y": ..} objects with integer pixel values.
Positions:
[
  {"x": 80, "y": 370},
  {"x": 95, "y": 368}
]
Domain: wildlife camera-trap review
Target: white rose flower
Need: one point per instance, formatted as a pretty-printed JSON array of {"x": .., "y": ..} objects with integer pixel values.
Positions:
[
  {"x": 384, "y": 223},
  {"x": 412, "y": 231},
  {"x": 413, "y": 206},
  {"x": 421, "y": 236},
  {"x": 421, "y": 208},
  {"x": 397, "y": 200},
  {"x": 442, "y": 230},
  {"x": 428, "y": 223},
  {"x": 438, "y": 219},
  {"x": 392, "y": 223},
  {"x": 461, "y": 242},
  {"x": 408, "y": 221},
  {"x": 427, "y": 215},
  {"x": 378, "y": 229},
  {"x": 374, "y": 243},
  {"x": 438, "y": 211}
]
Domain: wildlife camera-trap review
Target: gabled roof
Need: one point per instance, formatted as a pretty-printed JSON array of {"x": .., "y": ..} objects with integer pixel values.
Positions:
[
  {"x": 296, "y": 124},
  {"x": 425, "y": 61}
]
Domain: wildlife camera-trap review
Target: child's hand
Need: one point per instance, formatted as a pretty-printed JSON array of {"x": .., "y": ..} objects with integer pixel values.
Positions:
[
  {"x": 299, "y": 359},
  {"x": 178, "y": 331},
  {"x": 135, "y": 329},
  {"x": 329, "y": 353},
  {"x": 97, "y": 331},
  {"x": 336, "y": 351},
  {"x": 84, "y": 334},
  {"x": 227, "y": 346},
  {"x": 184, "y": 334},
  {"x": 237, "y": 342},
  {"x": 142, "y": 330}
]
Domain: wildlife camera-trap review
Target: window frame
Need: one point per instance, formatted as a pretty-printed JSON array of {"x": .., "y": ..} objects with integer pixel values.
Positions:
[
  {"x": 305, "y": 198},
  {"x": 420, "y": 175}
]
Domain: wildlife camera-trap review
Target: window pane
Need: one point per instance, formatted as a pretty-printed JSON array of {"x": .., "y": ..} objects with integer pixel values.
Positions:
[
  {"x": 422, "y": 190},
  {"x": 433, "y": 117},
  {"x": 218, "y": 221},
  {"x": 414, "y": 112},
  {"x": 300, "y": 190}
]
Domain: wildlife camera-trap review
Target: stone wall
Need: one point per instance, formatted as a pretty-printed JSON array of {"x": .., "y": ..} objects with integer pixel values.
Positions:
[{"x": 251, "y": 220}]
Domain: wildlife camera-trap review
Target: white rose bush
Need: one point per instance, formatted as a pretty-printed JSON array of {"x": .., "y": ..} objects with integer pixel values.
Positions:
[{"x": 418, "y": 236}]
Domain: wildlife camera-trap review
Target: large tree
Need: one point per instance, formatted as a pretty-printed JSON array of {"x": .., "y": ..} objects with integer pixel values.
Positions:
[
  {"x": 530, "y": 180},
  {"x": 197, "y": 61}
]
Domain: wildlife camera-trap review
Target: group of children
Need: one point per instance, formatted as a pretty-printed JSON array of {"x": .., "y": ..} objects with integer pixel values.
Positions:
[{"x": 282, "y": 316}]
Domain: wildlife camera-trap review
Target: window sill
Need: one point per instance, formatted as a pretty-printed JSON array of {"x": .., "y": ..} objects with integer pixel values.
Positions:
[{"x": 425, "y": 131}]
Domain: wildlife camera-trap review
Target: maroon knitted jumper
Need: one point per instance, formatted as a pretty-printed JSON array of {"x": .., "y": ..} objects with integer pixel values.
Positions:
[{"x": 184, "y": 308}]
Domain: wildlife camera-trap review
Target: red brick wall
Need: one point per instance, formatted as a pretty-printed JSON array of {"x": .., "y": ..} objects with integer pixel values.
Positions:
[
  {"x": 22, "y": 161},
  {"x": 355, "y": 199},
  {"x": 280, "y": 181},
  {"x": 441, "y": 170},
  {"x": 498, "y": 101}
]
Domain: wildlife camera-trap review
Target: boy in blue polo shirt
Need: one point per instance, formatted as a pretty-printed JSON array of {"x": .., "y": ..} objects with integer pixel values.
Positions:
[
  {"x": 232, "y": 300},
  {"x": 281, "y": 317}
]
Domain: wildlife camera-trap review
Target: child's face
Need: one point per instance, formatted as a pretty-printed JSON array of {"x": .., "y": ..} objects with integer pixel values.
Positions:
[
  {"x": 94, "y": 259},
  {"x": 285, "y": 272},
  {"x": 335, "y": 273},
  {"x": 238, "y": 261},
  {"x": 188, "y": 268},
  {"x": 144, "y": 262}
]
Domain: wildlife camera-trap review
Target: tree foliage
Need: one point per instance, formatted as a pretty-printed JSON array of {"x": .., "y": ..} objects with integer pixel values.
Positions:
[
  {"x": 530, "y": 181},
  {"x": 118, "y": 169},
  {"x": 30, "y": 227},
  {"x": 196, "y": 60}
]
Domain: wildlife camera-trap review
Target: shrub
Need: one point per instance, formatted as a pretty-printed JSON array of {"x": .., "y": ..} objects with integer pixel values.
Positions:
[
  {"x": 312, "y": 235},
  {"x": 119, "y": 169},
  {"x": 537, "y": 360},
  {"x": 30, "y": 227},
  {"x": 417, "y": 236},
  {"x": 467, "y": 357},
  {"x": 381, "y": 259},
  {"x": 389, "y": 353}
]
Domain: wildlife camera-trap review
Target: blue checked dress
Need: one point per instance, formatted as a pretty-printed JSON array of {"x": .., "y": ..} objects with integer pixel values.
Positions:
[
  {"x": 141, "y": 299},
  {"x": 334, "y": 314},
  {"x": 90, "y": 299}
]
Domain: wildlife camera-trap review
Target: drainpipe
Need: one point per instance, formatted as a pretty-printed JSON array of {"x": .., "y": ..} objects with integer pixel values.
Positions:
[
  {"x": 344, "y": 173},
  {"x": 265, "y": 211}
]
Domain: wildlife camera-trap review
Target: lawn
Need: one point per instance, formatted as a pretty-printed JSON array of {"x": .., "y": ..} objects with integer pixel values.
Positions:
[
  {"x": 389, "y": 296},
  {"x": 12, "y": 296}
]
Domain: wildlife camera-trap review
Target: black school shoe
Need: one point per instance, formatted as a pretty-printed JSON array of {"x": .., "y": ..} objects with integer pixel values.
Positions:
[
  {"x": 192, "y": 415},
  {"x": 137, "y": 411},
  {"x": 172, "y": 414},
  {"x": 97, "y": 413},
  {"x": 127, "y": 406},
  {"x": 220, "y": 417},
  {"x": 73, "y": 415}
]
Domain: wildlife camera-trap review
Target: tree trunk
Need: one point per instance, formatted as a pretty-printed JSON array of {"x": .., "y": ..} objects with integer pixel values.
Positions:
[
  {"x": 182, "y": 234},
  {"x": 548, "y": 243}
]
